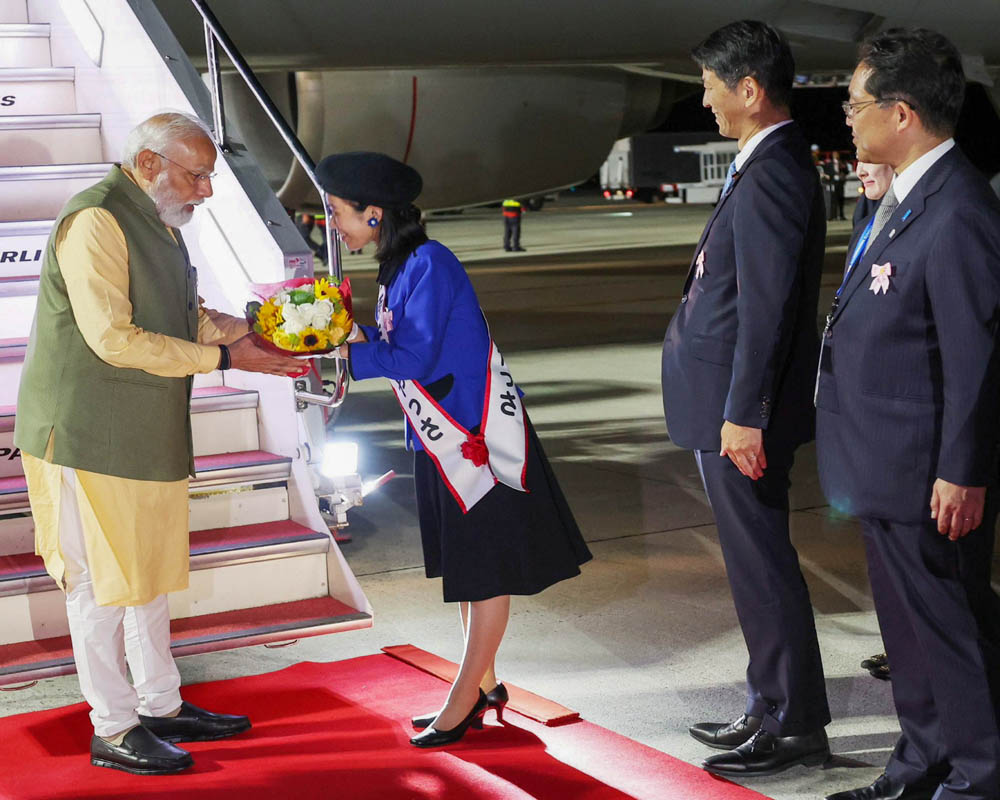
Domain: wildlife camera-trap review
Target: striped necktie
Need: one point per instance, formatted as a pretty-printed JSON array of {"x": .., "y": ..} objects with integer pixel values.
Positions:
[
  {"x": 730, "y": 178},
  {"x": 885, "y": 210}
]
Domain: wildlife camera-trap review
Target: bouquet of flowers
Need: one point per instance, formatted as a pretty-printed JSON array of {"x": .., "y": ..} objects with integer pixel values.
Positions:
[{"x": 304, "y": 316}]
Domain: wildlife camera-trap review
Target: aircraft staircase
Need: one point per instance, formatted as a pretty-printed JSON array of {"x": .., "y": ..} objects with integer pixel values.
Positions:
[{"x": 264, "y": 566}]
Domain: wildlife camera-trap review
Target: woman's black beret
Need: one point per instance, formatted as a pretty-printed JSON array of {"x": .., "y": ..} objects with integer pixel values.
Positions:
[{"x": 373, "y": 179}]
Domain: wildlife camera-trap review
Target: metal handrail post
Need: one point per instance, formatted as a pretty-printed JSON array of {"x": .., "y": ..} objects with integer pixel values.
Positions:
[
  {"x": 214, "y": 33},
  {"x": 212, "y": 23},
  {"x": 215, "y": 80},
  {"x": 332, "y": 241}
]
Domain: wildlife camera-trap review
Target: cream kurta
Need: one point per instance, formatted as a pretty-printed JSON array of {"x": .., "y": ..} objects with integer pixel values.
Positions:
[{"x": 135, "y": 532}]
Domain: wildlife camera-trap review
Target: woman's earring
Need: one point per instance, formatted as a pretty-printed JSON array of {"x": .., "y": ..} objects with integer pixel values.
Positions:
[{"x": 373, "y": 223}]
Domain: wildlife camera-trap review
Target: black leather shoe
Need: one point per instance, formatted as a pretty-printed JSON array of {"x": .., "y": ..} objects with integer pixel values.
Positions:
[
  {"x": 765, "y": 754},
  {"x": 877, "y": 660},
  {"x": 194, "y": 724},
  {"x": 141, "y": 753},
  {"x": 725, "y": 735},
  {"x": 885, "y": 788},
  {"x": 432, "y": 737},
  {"x": 877, "y": 666},
  {"x": 496, "y": 698}
]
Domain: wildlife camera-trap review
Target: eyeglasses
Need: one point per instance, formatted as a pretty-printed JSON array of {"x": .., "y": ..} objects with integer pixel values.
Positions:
[
  {"x": 195, "y": 176},
  {"x": 851, "y": 109}
]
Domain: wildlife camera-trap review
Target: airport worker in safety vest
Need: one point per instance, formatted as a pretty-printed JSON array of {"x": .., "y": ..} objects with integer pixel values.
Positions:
[
  {"x": 512, "y": 210},
  {"x": 103, "y": 427}
]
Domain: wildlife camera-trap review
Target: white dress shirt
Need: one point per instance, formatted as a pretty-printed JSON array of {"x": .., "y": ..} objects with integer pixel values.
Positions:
[
  {"x": 907, "y": 179},
  {"x": 753, "y": 141}
]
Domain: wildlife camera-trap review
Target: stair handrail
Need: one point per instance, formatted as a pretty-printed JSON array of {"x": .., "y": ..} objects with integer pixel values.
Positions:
[{"x": 215, "y": 36}]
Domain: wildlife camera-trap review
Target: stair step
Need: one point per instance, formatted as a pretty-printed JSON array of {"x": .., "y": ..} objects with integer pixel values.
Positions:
[
  {"x": 39, "y": 192},
  {"x": 222, "y": 398},
  {"x": 20, "y": 566},
  {"x": 228, "y": 507},
  {"x": 43, "y": 658},
  {"x": 19, "y": 286},
  {"x": 246, "y": 537},
  {"x": 23, "y": 45},
  {"x": 246, "y": 466},
  {"x": 50, "y": 139},
  {"x": 17, "y": 533},
  {"x": 18, "y": 298},
  {"x": 13, "y": 349},
  {"x": 10, "y": 457},
  {"x": 11, "y": 360},
  {"x": 230, "y": 569},
  {"x": 223, "y": 418},
  {"x": 13, "y": 11},
  {"x": 42, "y": 90},
  {"x": 232, "y": 506},
  {"x": 252, "y": 466},
  {"x": 22, "y": 247},
  {"x": 23, "y": 573},
  {"x": 204, "y": 399}
]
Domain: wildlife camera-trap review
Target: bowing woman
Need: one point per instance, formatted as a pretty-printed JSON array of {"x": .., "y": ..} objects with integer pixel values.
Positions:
[{"x": 493, "y": 520}]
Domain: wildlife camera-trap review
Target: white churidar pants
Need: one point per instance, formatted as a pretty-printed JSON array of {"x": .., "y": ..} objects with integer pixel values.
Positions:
[{"x": 105, "y": 636}]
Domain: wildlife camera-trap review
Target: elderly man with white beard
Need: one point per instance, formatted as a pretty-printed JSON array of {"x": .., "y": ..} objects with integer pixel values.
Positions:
[{"x": 103, "y": 427}]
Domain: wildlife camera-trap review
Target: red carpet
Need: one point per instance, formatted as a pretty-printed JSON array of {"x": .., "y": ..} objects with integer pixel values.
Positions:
[{"x": 341, "y": 731}]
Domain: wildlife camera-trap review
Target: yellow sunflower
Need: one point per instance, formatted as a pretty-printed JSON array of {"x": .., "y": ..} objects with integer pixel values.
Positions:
[
  {"x": 314, "y": 339},
  {"x": 325, "y": 290},
  {"x": 268, "y": 319}
]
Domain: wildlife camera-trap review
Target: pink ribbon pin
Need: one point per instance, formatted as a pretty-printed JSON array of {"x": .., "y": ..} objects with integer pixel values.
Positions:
[
  {"x": 880, "y": 277},
  {"x": 700, "y": 264}
]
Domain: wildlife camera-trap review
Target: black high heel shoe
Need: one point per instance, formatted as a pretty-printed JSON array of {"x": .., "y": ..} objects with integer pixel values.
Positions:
[
  {"x": 431, "y": 737},
  {"x": 496, "y": 698}
]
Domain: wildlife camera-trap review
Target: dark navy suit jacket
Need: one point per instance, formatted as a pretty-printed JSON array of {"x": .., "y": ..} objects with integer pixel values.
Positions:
[
  {"x": 908, "y": 384},
  {"x": 742, "y": 344}
]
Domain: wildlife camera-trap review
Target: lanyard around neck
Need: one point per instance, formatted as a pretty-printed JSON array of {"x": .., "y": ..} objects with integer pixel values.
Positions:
[{"x": 859, "y": 251}]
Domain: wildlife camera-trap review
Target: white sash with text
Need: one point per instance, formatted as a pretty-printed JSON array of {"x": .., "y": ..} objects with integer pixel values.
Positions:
[{"x": 472, "y": 465}]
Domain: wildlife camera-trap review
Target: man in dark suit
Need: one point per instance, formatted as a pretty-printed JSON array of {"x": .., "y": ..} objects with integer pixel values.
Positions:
[
  {"x": 738, "y": 369},
  {"x": 907, "y": 414},
  {"x": 835, "y": 176}
]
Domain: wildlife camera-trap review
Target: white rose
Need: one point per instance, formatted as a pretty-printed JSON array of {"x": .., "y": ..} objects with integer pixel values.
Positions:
[
  {"x": 296, "y": 318},
  {"x": 322, "y": 311}
]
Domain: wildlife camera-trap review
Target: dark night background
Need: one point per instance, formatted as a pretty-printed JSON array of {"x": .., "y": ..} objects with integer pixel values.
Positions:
[{"x": 818, "y": 112}]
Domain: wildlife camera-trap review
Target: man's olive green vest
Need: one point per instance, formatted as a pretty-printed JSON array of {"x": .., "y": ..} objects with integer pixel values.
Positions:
[{"x": 106, "y": 419}]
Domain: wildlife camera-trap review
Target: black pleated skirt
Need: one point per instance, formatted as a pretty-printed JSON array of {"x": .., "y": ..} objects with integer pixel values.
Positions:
[{"x": 510, "y": 542}]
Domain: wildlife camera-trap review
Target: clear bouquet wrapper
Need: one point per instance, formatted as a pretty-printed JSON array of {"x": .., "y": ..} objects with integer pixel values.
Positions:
[{"x": 302, "y": 316}]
